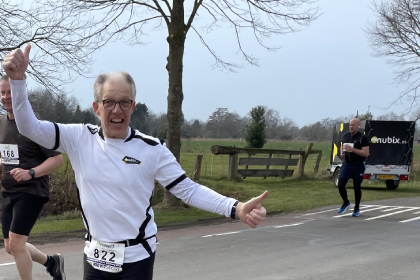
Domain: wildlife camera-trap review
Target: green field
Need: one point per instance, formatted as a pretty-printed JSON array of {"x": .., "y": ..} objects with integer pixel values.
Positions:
[{"x": 285, "y": 195}]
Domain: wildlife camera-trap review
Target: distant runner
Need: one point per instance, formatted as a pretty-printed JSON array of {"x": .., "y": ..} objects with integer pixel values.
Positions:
[{"x": 354, "y": 150}]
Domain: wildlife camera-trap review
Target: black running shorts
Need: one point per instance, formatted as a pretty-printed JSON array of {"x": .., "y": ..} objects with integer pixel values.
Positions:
[
  {"x": 20, "y": 212},
  {"x": 141, "y": 270}
]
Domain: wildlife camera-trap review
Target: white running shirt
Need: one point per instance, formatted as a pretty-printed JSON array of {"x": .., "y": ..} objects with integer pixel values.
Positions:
[{"x": 115, "y": 177}]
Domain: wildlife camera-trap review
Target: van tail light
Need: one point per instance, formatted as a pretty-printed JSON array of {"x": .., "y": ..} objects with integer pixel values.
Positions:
[
  {"x": 366, "y": 176},
  {"x": 403, "y": 177}
]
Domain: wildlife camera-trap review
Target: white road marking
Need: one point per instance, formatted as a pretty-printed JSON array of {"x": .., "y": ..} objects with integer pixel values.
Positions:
[
  {"x": 390, "y": 214},
  {"x": 10, "y": 263},
  {"x": 394, "y": 208},
  {"x": 335, "y": 209},
  {"x": 371, "y": 209},
  {"x": 289, "y": 225},
  {"x": 220, "y": 234},
  {"x": 308, "y": 214},
  {"x": 227, "y": 233},
  {"x": 410, "y": 220}
]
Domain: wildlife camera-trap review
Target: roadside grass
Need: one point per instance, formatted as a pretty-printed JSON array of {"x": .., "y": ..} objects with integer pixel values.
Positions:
[{"x": 285, "y": 195}]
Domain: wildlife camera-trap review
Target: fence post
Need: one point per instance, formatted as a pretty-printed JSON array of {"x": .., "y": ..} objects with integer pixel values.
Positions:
[
  {"x": 318, "y": 161},
  {"x": 268, "y": 165},
  {"x": 197, "y": 169},
  {"x": 233, "y": 166},
  {"x": 246, "y": 166},
  {"x": 286, "y": 166},
  {"x": 303, "y": 160}
]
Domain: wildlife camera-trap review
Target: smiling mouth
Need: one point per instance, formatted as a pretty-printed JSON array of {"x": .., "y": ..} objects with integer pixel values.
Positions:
[{"x": 117, "y": 120}]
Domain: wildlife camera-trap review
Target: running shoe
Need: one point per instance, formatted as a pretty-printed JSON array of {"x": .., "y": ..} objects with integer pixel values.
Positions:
[
  {"x": 57, "y": 271},
  {"x": 344, "y": 207},
  {"x": 356, "y": 213}
]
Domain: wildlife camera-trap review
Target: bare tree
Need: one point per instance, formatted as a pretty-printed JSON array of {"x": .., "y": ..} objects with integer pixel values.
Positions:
[
  {"x": 272, "y": 121},
  {"x": 390, "y": 117},
  {"x": 59, "y": 108},
  {"x": 128, "y": 18},
  {"x": 55, "y": 35},
  {"x": 396, "y": 34}
]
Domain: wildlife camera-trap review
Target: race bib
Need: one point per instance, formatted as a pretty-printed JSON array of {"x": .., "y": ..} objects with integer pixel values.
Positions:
[
  {"x": 9, "y": 154},
  {"x": 106, "y": 256}
]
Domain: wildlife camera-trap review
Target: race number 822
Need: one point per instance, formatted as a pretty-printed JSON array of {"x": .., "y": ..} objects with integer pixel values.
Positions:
[{"x": 104, "y": 254}]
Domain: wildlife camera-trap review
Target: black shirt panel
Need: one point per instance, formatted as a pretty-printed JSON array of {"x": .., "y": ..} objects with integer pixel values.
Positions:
[
  {"x": 359, "y": 140},
  {"x": 30, "y": 156}
]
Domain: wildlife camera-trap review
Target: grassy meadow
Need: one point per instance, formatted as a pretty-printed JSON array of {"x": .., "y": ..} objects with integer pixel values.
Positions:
[{"x": 285, "y": 195}]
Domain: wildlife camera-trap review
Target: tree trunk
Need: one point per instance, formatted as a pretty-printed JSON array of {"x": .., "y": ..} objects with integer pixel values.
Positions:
[{"x": 176, "y": 41}]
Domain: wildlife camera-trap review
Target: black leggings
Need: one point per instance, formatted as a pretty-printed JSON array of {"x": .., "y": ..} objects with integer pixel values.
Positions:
[
  {"x": 355, "y": 172},
  {"x": 141, "y": 270}
]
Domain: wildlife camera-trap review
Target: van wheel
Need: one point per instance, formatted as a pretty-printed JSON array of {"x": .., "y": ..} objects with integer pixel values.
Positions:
[
  {"x": 336, "y": 176},
  {"x": 392, "y": 184}
]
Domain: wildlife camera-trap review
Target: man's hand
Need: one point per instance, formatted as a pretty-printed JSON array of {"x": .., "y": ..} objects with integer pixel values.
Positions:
[
  {"x": 251, "y": 212},
  {"x": 20, "y": 174},
  {"x": 349, "y": 148},
  {"x": 16, "y": 63}
]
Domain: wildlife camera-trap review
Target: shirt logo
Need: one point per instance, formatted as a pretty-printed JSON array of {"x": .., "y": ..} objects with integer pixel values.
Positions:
[
  {"x": 92, "y": 130},
  {"x": 130, "y": 160}
]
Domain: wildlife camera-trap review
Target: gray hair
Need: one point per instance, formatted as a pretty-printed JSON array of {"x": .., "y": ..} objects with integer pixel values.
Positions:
[{"x": 119, "y": 75}]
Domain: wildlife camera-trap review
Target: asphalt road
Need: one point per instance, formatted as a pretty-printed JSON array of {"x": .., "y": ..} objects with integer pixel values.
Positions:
[{"x": 383, "y": 243}]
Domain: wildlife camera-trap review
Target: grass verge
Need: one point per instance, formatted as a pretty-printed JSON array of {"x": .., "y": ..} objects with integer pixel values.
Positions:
[{"x": 285, "y": 196}]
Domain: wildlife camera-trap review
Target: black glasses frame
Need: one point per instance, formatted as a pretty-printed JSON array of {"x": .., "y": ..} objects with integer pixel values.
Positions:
[{"x": 106, "y": 101}]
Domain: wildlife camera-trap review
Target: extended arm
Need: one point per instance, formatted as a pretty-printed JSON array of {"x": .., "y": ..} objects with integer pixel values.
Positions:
[
  {"x": 15, "y": 65},
  {"x": 199, "y": 196}
]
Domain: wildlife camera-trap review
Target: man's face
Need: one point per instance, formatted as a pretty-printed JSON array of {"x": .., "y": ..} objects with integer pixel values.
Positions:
[
  {"x": 6, "y": 95},
  {"x": 115, "y": 121},
  {"x": 354, "y": 126}
]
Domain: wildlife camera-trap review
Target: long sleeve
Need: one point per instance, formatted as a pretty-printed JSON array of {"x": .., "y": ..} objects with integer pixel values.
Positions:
[
  {"x": 202, "y": 197},
  {"x": 170, "y": 175},
  {"x": 41, "y": 132}
]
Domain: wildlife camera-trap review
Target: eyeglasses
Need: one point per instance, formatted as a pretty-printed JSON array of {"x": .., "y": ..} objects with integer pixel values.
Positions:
[{"x": 110, "y": 104}]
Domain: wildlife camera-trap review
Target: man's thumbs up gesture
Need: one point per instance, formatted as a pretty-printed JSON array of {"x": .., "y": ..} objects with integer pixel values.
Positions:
[
  {"x": 16, "y": 63},
  {"x": 251, "y": 212}
]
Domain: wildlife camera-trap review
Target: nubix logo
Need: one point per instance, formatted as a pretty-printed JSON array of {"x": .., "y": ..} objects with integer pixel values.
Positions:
[
  {"x": 130, "y": 160},
  {"x": 387, "y": 140}
]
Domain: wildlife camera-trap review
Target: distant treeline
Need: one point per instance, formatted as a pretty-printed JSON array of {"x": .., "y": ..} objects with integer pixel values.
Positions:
[{"x": 220, "y": 124}]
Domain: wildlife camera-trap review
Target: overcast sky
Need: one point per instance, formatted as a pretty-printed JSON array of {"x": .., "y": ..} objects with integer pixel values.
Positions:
[{"x": 325, "y": 70}]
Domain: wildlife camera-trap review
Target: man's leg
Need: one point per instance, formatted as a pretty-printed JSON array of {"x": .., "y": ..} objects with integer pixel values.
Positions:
[
  {"x": 357, "y": 195},
  {"x": 358, "y": 173},
  {"x": 17, "y": 246},
  {"x": 6, "y": 220},
  {"x": 342, "y": 182},
  {"x": 26, "y": 210},
  {"x": 36, "y": 255}
]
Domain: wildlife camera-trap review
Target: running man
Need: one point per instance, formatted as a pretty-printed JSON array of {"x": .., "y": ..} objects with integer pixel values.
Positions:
[
  {"x": 24, "y": 167},
  {"x": 115, "y": 167}
]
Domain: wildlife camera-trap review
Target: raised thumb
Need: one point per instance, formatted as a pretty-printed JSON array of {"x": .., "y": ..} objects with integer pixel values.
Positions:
[
  {"x": 262, "y": 197},
  {"x": 26, "y": 51}
]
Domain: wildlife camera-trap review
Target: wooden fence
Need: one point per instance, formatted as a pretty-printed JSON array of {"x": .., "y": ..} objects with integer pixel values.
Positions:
[{"x": 234, "y": 163}]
